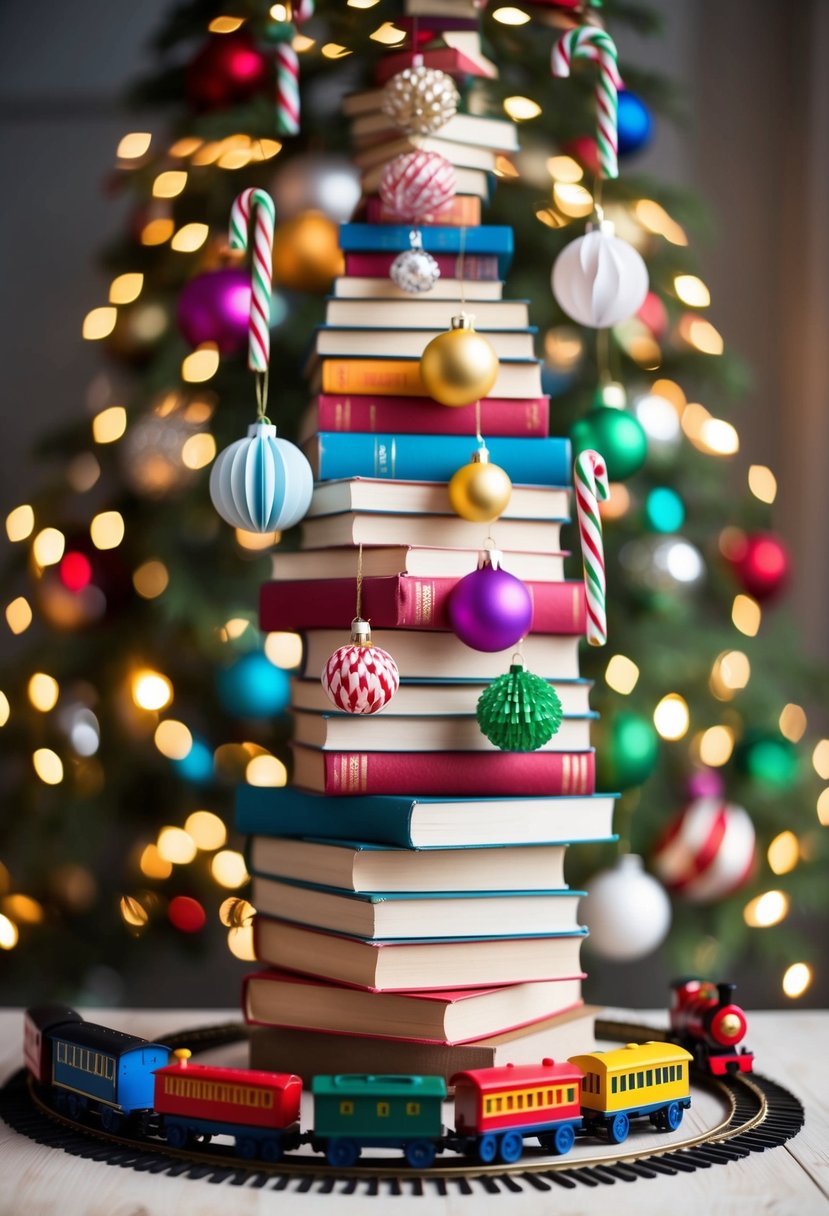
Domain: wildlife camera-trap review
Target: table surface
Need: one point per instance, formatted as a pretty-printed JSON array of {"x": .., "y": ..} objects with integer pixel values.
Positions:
[{"x": 791, "y": 1047}]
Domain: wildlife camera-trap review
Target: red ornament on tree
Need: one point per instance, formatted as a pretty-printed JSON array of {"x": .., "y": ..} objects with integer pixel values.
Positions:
[
  {"x": 228, "y": 69},
  {"x": 707, "y": 851},
  {"x": 760, "y": 562},
  {"x": 186, "y": 914}
]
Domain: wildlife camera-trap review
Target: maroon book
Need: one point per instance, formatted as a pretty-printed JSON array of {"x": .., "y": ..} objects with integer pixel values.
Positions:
[
  {"x": 451, "y": 265},
  {"x": 527, "y": 417}
]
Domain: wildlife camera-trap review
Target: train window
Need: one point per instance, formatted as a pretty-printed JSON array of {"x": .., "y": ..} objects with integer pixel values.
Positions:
[
  {"x": 499, "y": 1103},
  {"x": 487, "y": 1106},
  {"x": 383, "y": 1110},
  {"x": 658, "y": 1075},
  {"x": 346, "y": 1108},
  {"x": 412, "y": 1108},
  {"x": 679, "y": 1072},
  {"x": 110, "y": 1069},
  {"x": 571, "y": 1094},
  {"x": 613, "y": 1084},
  {"x": 623, "y": 1083},
  {"x": 267, "y": 1099},
  {"x": 649, "y": 1077},
  {"x": 510, "y": 1102},
  {"x": 640, "y": 1079},
  {"x": 519, "y": 1101},
  {"x": 61, "y": 1053},
  {"x": 672, "y": 1072},
  {"x": 530, "y": 1099},
  {"x": 549, "y": 1097}
]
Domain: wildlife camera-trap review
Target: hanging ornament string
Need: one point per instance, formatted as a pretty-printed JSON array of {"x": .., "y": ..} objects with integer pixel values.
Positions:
[
  {"x": 590, "y": 478},
  {"x": 259, "y": 204},
  {"x": 590, "y": 42},
  {"x": 287, "y": 67},
  {"x": 359, "y": 604}
]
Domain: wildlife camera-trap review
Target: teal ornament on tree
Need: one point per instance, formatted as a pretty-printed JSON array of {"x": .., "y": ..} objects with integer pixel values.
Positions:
[
  {"x": 627, "y": 752},
  {"x": 252, "y": 687},
  {"x": 616, "y": 435},
  {"x": 768, "y": 758},
  {"x": 519, "y": 712}
]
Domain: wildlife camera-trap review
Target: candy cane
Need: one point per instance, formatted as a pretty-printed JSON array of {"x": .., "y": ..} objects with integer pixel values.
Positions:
[
  {"x": 287, "y": 72},
  {"x": 260, "y": 204},
  {"x": 590, "y": 478},
  {"x": 590, "y": 42}
]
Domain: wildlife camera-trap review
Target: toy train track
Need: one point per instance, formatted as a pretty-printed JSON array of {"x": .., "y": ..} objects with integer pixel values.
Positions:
[{"x": 759, "y": 1114}]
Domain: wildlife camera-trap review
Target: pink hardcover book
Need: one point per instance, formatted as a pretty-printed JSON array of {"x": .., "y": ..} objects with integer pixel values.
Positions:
[
  {"x": 452, "y": 266},
  {"x": 520, "y": 417}
]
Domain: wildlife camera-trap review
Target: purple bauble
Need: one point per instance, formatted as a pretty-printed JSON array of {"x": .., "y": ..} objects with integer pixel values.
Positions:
[
  {"x": 490, "y": 609},
  {"x": 704, "y": 783},
  {"x": 214, "y": 307}
]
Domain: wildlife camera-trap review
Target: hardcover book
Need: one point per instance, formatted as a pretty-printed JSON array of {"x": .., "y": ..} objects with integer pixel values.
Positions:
[
  {"x": 421, "y": 416},
  {"x": 334, "y": 455},
  {"x": 425, "y": 697},
  {"x": 421, "y": 561}
]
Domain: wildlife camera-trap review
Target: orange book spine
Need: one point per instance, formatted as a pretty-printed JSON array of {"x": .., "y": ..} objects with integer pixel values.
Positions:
[
  {"x": 464, "y": 211},
  {"x": 388, "y": 377}
]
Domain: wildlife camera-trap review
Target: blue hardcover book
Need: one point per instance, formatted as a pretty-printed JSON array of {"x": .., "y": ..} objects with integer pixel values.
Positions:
[
  {"x": 538, "y": 462},
  {"x": 492, "y": 239},
  {"x": 424, "y": 823}
]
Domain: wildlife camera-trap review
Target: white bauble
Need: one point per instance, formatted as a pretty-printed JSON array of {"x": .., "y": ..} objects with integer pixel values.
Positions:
[
  {"x": 261, "y": 483},
  {"x": 707, "y": 852},
  {"x": 599, "y": 279},
  {"x": 627, "y": 911}
]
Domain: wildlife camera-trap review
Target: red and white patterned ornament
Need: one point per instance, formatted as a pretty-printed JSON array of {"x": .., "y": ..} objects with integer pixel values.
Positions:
[
  {"x": 707, "y": 851},
  {"x": 360, "y": 678},
  {"x": 418, "y": 185}
]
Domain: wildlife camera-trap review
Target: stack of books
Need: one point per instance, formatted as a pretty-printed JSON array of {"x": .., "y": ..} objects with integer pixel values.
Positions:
[{"x": 412, "y": 909}]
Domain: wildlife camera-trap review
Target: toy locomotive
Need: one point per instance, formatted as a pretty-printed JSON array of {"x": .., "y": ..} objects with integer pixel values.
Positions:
[{"x": 705, "y": 1020}]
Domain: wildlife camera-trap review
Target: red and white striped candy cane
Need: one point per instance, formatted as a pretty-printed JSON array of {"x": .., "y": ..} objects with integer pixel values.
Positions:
[
  {"x": 590, "y": 42},
  {"x": 287, "y": 72},
  {"x": 259, "y": 204},
  {"x": 590, "y": 480}
]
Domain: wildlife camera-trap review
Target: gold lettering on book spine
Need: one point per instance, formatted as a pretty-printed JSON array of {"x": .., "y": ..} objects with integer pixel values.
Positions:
[
  {"x": 576, "y": 604},
  {"x": 565, "y": 774},
  {"x": 424, "y": 603}
]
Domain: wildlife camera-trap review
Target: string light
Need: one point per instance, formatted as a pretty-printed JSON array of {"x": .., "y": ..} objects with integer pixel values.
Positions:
[
  {"x": 762, "y": 483},
  {"x": 190, "y": 238},
  {"x": 716, "y": 745},
  {"x": 388, "y": 34},
  {"x": 99, "y": 323},
  {"x": 20, "y": 523},
  {"x": 511, "y": 16},
  {"x": 24, "y": 909},
  {"x": 564, "y": 168},
  {"x": 280, "y": 12},
  {"x": 48, "y": 766},
  {"x": 207, "y": 829},
  {"x": 820, "y": 759},
  {"x": 236, "y": 912},
  {"x": 572, "y": 199},
  {"x": 240, "y": 943},
  {"x": 521, "y": 109},
  {"x": 621, "y": 674},
  {"x": 797, "y": 979},
  {"x": 766, "y": 910},
  {"x": 153, "y": 865},
  {"x": 333, "y": 50},
  {"x": 110, "y": 424},
  {"x": 671, "y": 717},
  {"x": 198, "y": 451},
  {"x": 5, "y": 709},
  {"x": 151, "y": 690},
  {"x": 126, "y": 288},
  {"x": 107, "y": 530},
  {"x": 176, "y": 846},
  {"x": 19, "y": 615},
  {"x": 170, "y": 183},
  {"x": 225, "y": 25},
  {"x": 173, "y": 739},
  {"x": 746, "y": 615},
  {"x": 151, "y": 579},
  {"x": 266, "y": 771},
  {"x": 617, "y": 504},
  {"x": 701, "y": 334},
  {"x": 233, "y": 629},
  {"x": 656, "y": 219},
  {"x": 229, "y": 870},
  {"x": 731, "y": 672},
  {"x": 134, "y": 145},
  {"x": 783, "y": 853},
  {"x": 255, "y": 542},
  {"x": 284, "y": 649},
  {"x": 691, "y": 291},
  {"x": 9, "y": 933},
  {"x": 201, "y": 365},
  {"x": 185, "y": 146},
  {"x": 301, "y": 43},
  {"x": 48, "y": 547},
  {"x": 157, "y": 231},
  {"x": 792, "y": 722},
  {"x": 823, "y": 808},
  {"x": 133, "y": 912},
  {"x": 43, "y": 691},
  {"x": 83, "y": 472}
]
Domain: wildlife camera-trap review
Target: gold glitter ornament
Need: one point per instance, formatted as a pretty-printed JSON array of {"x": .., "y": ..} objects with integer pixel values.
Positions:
[
  {"x": 459, "y": 366},
  {"x": 420, "y": 100},
  {"x": 480, "y": 491}
]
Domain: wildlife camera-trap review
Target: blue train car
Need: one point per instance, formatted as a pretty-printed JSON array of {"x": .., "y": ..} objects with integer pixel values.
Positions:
[{"x": 94, "y": 1068}]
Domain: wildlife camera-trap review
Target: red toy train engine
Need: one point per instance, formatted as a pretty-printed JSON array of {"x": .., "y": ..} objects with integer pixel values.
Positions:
[{"x": 705, "y": 1019}]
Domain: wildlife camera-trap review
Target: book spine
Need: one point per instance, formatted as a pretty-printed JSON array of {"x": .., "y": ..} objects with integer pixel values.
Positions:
[
  {"x": 446, "y": 59},
  {"x": 483, "y": 268},
  {"x": 461, "y": 774},
  {"x": 438, "y": 238},
  {"x": 464, "y": 210},
  {"x": 403, "y": 603},
  {"x": 527, "y": 417},
  {"x": 540, "y": 462},
  {"x": 259, "y": 813}
]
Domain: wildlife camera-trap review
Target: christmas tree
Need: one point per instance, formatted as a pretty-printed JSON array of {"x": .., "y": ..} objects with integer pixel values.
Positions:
[{"x": 139, "y": 692}]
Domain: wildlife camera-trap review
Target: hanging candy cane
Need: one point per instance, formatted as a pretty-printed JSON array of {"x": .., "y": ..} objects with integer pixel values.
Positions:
[
  {"x": 590, "y": 478},
  {"x": 590, "y": 42},
  {"x": 260, "y": 204},
  {"x": 287, "y": 70}
]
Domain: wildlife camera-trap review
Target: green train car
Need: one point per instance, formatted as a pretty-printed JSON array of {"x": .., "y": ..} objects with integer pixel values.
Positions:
[{"x": 357, "y": 1111}]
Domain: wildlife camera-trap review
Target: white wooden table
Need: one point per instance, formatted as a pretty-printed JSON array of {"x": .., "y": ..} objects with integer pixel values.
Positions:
[{"x": 791, "y": 1047}]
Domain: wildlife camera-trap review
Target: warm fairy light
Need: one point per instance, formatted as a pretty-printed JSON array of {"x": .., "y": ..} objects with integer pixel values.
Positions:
[
  {"x": 621, "y": 674},
  {"x": 823, "y": 808},
  {"x": 125, "y": 288},
  {"x": 20, "y": 523},
  {"x": 157, "y": 231},
  {"x": 190, "y": 238},
  {"x": 151, "y": 579},
  {"x": 766, "y": 910},
  {"x": 5, "y": 709},
  {"x": 229, "y": 870},
  {"x": 267, "y": 771},
  {"x": 284, "y": 649},
  {"x": 504, "y": 167},
  {"x": 240, "y": 943},
  {"x": 762, "y": 483},
  {"x": 302, "y": 43},
  {"x": 280, "y": 12},
  {"x": 572, "y": 199},
  {"x": 48, "y": 547},
  {"x": 617, "y": 504},
  {"x": 107, "y": 530},
  {"x": 521, "y": 109},
  {"x": 701, "y": 334},
  {"x": 656, "y": 219},
  {"x": 333, "y": 50},
  {"x": 185, "y": 146},
  {"x": 24, "y": 908},
  {"x": 133, "y": 912},
  {"x": 563, "y": 347},
  {"x": 151, "y": 690},
  {"x": 797, "y": 979},
  {"x": 362, "y": 3},
  {"x": 783, "y": 853},
  {"x": 731, "y": 672},
  {"x": 269, "y": 147},
  {"x": 820, "y": 759},
  {"x": 99, "y": 323},
  {"x": 716, "y": 746},
  {"x": 671, "y": 717},
  {"x": 225, "y": 25},
  {"x": 83, "y": 472},
  {"x": 208, "y": 153},
  {"x": 235, "y": 912},
  {"x": 718, "y": 438},
  {"x": 693, "y": 418},
  {"x": 207, "y": 829},
  {"x": 692, "y": 291},
  {"x": 388, "y": 34},
  {"x": 176, "y": 845},
  {"x": 792, "y": 722},
  {"x": 110, "y": 424},
  {"x": 173, "y": 739},
  {"x": 565, "y": 169},
  {"x": 659, "y": 418},
  {"x": 550, "y": 218},
  {"x": 671, "y": 391},
  {"x": 48, "y": 766},
  {"x": 200, "y": 410},
  {"x": 153, "y": 865},
  {"x": 19, "y": 615},
  {"x": 198, "y": 450},
  {"x": 201, "y": 365},
  {"x": 8, "y": 933},
  {"x": 236, "y": 157},
  {"x": 134, "y": 145},
  {"x": 43, "y": 691},
  {"x": 746, "y": 615},
  {"x": 511, "y": 16},
  {"x": 637, "y": 341},
  {"x": 170, "y": 183},
  {"x": 255, "y": 541}
]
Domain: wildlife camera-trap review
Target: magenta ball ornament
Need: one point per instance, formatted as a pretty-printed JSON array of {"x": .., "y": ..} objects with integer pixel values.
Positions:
[
  {"x": 490, "y": 609},
  {"x": 215, "y": 307}
]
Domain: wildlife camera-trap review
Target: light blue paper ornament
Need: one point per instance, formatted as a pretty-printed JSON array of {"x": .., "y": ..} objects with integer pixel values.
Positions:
[{"x": 261, "y": 483}]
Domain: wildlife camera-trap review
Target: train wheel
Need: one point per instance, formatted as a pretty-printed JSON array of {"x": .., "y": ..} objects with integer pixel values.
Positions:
[
  {"x": 487, "y": 1148},
  {"x": 75, "y": 1106},
  {"x": 177, "y": 1135},
  {"x": 270, "y": 1150},
  {"x": 564, "y": 1139},
  {"x": 618, "y": 1128},
  {"x": 111, "y": 1120},
  {"x": 246, "y": 1147},
  {"x": 420, "y": 1154},
  {"x": 511, "y": 1147},
  {"x": 60, "y": 1101},
  {"x": 673, "y": 1116},
  {"x": 342, "y": 1153}
]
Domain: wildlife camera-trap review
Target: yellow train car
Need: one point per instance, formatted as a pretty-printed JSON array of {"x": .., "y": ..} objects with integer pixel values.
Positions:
[{"x": 647, "y": 1080}]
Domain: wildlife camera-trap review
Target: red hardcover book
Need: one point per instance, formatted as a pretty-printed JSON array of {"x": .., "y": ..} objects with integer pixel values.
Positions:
[
  {"x": 522, "y": 418},
  {"x": 447, "y": 59},
  {"x": 445, "y": 774},
  {"x": 464, "y": 211},
  {"x": 403, "y": 602},
  {"x": 451, "y": 265}
]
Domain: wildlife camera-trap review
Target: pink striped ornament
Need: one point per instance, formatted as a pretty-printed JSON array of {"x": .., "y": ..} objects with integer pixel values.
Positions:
[
  {"x": 260, "y": 205},
  {"x": 360, "y": 678},
  {"x": 590, "y": 42},
  {"x": 591, "y": 485},
  {"x": 417, "y": 185}
]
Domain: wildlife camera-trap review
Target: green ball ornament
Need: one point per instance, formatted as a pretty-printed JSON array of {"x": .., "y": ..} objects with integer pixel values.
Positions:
[
  {"x": 519, "y": 712},
  {"x": 768, "y": 758},
  {"x": 616, "y": 435},
  {"x": 627, "y": 751}
]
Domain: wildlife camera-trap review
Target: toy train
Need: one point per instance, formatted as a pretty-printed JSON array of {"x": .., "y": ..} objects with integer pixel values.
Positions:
[
  {"x": 127, "y": 1082},
  {"x": 706, "y": 1021}
]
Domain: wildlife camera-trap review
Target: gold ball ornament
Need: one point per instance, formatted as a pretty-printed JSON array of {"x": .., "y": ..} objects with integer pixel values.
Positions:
[
  {"x": 460, "y": 366},
  {"x": 420, "y": 100},
  {"x": 306, "y": 253},
  {"x": 480, "y": 491}
]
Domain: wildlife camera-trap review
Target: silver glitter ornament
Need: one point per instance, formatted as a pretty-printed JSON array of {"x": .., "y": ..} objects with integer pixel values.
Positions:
[
  {"x": 414, "y": 270},
  {"x": 420, "y": 100}
]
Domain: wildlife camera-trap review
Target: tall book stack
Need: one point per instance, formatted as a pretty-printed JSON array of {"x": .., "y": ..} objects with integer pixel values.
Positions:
[{"x": 412, "y": 911}]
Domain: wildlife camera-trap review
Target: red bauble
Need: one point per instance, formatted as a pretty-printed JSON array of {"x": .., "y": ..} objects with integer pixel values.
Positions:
[
  {"x": 654, "y": 314},
  {"x": 585, "y": 150},
  {"x": 761, "y": 564},
  {"x": 186, "y": 914},
  {"x": 228, "y": 69}
]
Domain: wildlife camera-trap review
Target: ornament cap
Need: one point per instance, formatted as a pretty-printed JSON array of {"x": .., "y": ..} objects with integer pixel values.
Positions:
[
  {"x": 489, "y": 557},
  {"x": 258, "y": 430},
  {"x": 480, "y": 455},
  {"x": 462, "y": 320},
  {"x": 360, "y": 632}
]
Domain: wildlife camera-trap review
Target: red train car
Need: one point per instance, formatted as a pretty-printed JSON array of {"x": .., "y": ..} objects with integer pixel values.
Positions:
[
  {"x": 37, "y": 1049},
  {"x": 495, "y": 1108},
  {"x": 706, "y": 1020}
]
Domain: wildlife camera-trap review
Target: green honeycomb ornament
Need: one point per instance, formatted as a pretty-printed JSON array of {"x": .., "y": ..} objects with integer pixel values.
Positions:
[{"x": 519, "y": 711}]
